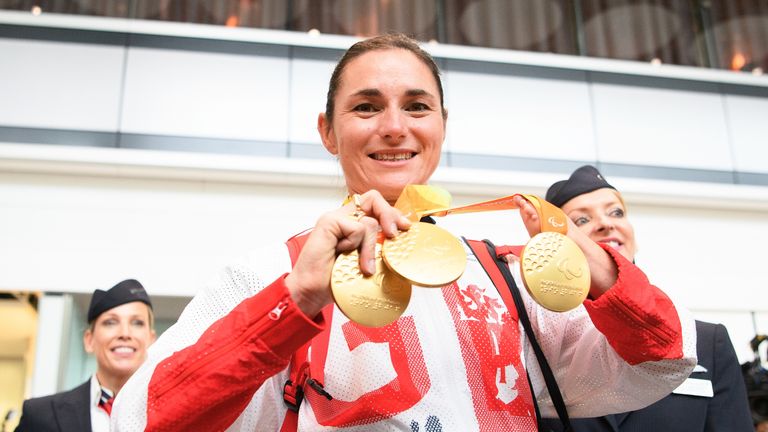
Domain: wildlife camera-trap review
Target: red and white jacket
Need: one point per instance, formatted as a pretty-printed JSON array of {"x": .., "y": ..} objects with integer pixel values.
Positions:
[{"x": 455, "y": 361}]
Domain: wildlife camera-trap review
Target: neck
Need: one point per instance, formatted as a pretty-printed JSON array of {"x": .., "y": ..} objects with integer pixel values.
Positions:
[{"x": 113, "y": 383}]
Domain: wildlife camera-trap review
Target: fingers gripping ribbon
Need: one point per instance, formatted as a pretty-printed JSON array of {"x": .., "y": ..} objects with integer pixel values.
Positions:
[{"x": 359, "y": 212}]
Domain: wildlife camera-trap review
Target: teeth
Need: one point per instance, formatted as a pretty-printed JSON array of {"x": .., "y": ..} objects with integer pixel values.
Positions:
[
  {"x": 393, "y": 157},
  {"x": 124, "y": 350},
  {"x": 613, "y": 244}
]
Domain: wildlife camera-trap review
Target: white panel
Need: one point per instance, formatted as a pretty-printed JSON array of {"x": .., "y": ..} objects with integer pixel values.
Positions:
[
  {"x": 748, "y": 122},
  {"x": 707, "y": 259},
  {"x": 76, "y": 234},
  {"x": 53, "y": 319},
  {"x": 59, "y": 85},
  {"x": 741, "y": 329},
  {"x": 495, "y": 114},
  {"x": 309, "y": 85},
  {"x": 205, "y": 94},
  {"x": 660, "y": 127}
]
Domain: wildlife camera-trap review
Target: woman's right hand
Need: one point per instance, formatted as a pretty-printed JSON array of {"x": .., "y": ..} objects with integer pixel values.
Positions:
[{"x": 336, "y": 232}]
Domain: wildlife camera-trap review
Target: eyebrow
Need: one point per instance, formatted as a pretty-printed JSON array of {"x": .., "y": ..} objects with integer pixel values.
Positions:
[
  {"x": 371, "y": 92},
  {"x": 116, "y": 316},
  {"x": 418, "y": 92},
  {"x": 367, "y": 92},
  {"x": 601, "y": 205}
]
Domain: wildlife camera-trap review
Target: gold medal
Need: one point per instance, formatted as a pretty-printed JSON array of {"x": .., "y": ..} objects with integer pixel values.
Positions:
[
  {"x": 426, "y": 255},
  {"x": 555, "y": 271},
  {"x": 372, "y": 301}
]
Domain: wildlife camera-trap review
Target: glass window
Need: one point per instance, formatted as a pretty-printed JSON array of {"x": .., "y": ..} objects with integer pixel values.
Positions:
[
  {"x": 725, "y": 34},
  {"x": 269, "y": 14},
  {"x": 417, "y": 18},
  {"x": 109, "y": 8},
  {"x": 542, "y": 25},
  {"x": 739, "y": 29},
  {"x": 650, "y": 30}
]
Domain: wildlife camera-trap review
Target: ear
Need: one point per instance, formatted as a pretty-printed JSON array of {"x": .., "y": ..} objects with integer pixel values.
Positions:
[
  {"x": 326, "y": 134},
  {"x": 152, "y": 336},
  {"x": 88, "y": 341}
]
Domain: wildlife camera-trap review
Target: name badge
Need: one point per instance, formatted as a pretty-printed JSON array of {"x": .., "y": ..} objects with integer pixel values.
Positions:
[{"x": 695, "y": 387}]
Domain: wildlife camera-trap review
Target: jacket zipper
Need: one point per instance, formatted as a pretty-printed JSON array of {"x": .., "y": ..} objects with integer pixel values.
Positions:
[
  {"x": 661, "y": 336},
  {"x": 273, "y": 315}
]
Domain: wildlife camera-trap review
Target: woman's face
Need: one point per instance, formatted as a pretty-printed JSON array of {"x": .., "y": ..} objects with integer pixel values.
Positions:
[
  {"x": 388, "y": 126},
  {"x": 602, "y": 216},
  {"x": 120, "y": 338}
]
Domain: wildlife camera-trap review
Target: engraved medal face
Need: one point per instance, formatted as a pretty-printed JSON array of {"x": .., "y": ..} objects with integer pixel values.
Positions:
[
  {"x": 426, "y": 255},
  {"x": 373, "y": 301},
  {"x": 555, "y": 271}
]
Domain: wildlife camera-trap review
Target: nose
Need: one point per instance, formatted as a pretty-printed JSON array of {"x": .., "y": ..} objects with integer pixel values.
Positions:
[
  {"x": 604, "y": 224},
  {"x": 393, "y": 125},
  {"x": 125, "y": 330}
]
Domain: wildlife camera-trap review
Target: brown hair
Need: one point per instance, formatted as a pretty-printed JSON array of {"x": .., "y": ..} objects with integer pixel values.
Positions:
[{"x": 383, "y": 42}]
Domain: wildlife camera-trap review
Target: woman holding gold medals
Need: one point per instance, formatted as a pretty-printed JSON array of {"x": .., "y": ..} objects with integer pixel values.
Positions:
[{"x": 248, "y": 350}]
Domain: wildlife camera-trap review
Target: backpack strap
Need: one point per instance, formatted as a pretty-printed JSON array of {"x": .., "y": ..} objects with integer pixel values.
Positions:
[
  {"x": 498, "y": 270},
  {"x": 299, "y": 369}
]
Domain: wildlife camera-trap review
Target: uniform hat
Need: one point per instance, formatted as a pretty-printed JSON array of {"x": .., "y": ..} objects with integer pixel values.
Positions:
[
  {"x": 584, "y": 180},
  {"x": 127, "y": 291}
]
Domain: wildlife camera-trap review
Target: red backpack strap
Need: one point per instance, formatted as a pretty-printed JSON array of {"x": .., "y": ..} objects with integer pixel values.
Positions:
[
  {"x": 293, "y": 389},
  {"x": 489, "y": 265},
  {"x": 299, "y": 370},
  {"x": 506, "y": 250}
]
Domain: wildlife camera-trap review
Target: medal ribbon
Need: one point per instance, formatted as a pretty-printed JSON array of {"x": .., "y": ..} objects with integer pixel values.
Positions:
[
  {"x": 551, "y": 218},
  {"x": 417, "y": 201}
]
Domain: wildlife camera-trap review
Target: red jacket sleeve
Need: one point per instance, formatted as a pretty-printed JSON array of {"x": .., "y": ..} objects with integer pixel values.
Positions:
[
  {"x": 638, "y": 319},
  {"x": 208, "y": 384}
]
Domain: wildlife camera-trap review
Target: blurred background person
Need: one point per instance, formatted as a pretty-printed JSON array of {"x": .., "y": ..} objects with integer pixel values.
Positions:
[
  {"x": 714, "y": 397},
  {"x": 120, "y": 328}
]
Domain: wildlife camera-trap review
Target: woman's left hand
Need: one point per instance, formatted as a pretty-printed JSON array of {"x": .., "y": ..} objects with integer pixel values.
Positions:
[{"x": 603, "y": 269}]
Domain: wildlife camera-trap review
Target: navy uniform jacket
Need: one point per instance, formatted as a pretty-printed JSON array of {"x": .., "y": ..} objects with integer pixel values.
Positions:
[
  {"x": 727, "y": 411},
  {"x": 68, "y": 411}
]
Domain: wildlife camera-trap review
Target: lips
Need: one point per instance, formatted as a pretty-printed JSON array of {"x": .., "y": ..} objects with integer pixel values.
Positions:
[
  {"x": 392, "y": 157},
  {"x": 613, "y": 243},
  {"x": 123, "y": 350}
]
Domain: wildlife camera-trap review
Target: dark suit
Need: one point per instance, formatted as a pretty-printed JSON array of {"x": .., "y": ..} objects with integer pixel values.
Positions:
[
  {"x": 727, "y": 411},
  {"x": 68, "y": 411}
]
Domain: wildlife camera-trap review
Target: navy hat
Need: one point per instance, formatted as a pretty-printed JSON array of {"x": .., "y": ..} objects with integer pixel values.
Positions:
[
  {"x": 127, "y": 291},
  {"x": 584, "y": 180}
]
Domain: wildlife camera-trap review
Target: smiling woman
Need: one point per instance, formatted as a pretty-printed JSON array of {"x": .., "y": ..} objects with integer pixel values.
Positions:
[
  {"x": 119, "y": 339},
  {"x": 714, "y": 397},
  {"x": 597, "y": 208},
  {"x": 119, "y": 333},
  {"x": 388, "y": 129}
]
